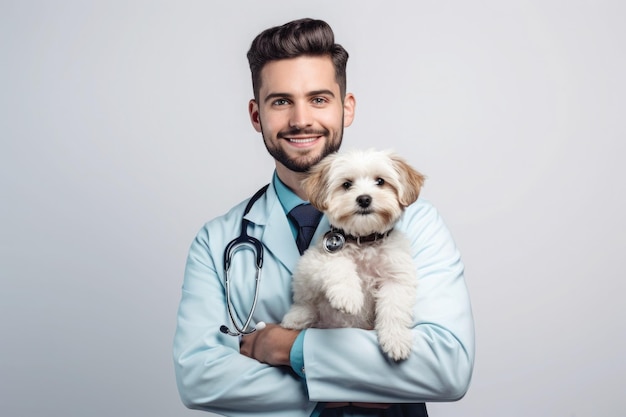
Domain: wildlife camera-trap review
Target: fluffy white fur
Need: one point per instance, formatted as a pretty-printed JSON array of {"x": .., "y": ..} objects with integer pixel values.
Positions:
[{"x": 370, "y": 285}]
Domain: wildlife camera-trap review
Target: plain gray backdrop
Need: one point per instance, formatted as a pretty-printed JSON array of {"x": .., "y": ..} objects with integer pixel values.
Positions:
[{"x": 124, "y": 127}]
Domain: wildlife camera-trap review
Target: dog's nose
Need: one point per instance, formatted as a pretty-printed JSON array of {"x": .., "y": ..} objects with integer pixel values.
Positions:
[{"x": 364, "y": 200}]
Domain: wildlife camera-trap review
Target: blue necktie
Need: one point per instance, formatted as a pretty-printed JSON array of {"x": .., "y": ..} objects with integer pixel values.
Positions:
[{"x": 306, "y": 218}]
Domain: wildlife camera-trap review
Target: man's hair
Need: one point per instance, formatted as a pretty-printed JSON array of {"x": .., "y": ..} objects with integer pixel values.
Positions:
[{"x": 304, "y": 37}]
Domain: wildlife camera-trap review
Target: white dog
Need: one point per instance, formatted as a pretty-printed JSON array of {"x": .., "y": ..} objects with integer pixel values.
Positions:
[{"x": 361, "y": 274}]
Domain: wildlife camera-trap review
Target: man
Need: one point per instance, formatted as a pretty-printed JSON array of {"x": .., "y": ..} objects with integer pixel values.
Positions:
[{"x": 300, "y": 107}]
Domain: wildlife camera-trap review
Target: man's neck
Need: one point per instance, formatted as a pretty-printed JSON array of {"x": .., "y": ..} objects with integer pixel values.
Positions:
[{"x": 293, "y": 180}]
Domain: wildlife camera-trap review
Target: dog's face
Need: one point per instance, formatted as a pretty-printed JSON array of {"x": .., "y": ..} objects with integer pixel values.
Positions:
[{"x": 363, "y": 192}]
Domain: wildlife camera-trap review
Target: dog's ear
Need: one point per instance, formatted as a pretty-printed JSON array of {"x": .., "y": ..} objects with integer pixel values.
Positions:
[
  {"x": 411, "y": 181},
  {"x": 316, "y": 184}
]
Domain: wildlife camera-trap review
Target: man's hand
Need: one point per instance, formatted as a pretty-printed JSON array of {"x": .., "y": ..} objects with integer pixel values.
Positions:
[{"x": 271, "y": 345}]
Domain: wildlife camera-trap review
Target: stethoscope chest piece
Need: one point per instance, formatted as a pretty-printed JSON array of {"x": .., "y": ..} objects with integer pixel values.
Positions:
[{"x": 333, "y": 241}]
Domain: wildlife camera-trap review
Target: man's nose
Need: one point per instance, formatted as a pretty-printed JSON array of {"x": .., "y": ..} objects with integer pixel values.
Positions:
[{"x": 301, "y": 116}]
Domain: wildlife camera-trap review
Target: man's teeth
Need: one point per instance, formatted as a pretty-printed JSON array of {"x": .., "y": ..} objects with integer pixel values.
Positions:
[{"x": 302, "y": 140}]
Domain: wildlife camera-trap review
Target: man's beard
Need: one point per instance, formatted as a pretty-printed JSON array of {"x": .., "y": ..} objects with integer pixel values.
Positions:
[{"x": 305, "y": 162}]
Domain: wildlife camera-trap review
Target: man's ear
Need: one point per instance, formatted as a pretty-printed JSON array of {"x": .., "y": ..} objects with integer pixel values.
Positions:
[
  {"x": 255, "y": 117},
  {"x": 349, "y": 106}
]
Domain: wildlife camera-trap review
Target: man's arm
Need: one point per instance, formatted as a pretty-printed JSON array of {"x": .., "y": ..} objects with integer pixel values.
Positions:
[
  {"x": 273, "y": 345},
  {"x": 339, "y": 363},
  {"x": 211, "y": 373}
]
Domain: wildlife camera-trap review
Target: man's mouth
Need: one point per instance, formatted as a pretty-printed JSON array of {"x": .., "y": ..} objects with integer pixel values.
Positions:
[
  {"x": 302, "y": 137},
  {"x": 303, "y": 140}
]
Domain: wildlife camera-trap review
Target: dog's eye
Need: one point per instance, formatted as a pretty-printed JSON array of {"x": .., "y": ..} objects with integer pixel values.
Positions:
[
  {"x": 380, "y": 181},
  {"x": 346, "y": 185}
]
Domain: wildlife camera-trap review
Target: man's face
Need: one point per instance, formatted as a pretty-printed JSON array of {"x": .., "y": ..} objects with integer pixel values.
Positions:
[{"x": 300, "y": 112}]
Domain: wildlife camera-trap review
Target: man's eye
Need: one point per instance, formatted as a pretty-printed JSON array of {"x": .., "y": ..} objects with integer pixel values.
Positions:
[
  {"x": 319, "y": 100},
  {"x": 280, "y": 102},
  {"x": 380, "y": 181},
  {"x": 346, "y": 185}
]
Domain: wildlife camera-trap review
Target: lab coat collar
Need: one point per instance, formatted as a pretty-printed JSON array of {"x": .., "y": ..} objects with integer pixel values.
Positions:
[{"x": 271, "y": 227}]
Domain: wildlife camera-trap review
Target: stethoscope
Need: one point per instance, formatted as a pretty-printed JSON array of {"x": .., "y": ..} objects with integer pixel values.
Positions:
[
  {"x": 243, "y": 241},
  {"x": 333, "y": 242}
]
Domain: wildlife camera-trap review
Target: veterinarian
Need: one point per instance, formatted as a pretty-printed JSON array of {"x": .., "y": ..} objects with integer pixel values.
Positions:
[{"x": 301, "y": 107}]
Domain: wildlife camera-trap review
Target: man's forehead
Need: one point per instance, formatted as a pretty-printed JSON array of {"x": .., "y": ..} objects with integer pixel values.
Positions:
[{"x": 301, "y": 74}]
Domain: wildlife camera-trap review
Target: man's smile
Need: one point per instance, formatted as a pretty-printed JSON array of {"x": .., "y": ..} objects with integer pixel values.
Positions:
[
  {"x": 302, "y": 137},
  {"x": 302, "y": 140}
]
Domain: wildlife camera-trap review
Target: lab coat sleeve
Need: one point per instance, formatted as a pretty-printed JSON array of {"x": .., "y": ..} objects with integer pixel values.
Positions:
[
  {"x": 211, "y": 374},
  {"x": 347, "y": 364}
]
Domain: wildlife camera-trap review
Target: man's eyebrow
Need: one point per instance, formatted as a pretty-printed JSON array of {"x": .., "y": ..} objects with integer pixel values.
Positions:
[
  {"x": 321, "y": 93},
  {"x": 273, "y": 96}
]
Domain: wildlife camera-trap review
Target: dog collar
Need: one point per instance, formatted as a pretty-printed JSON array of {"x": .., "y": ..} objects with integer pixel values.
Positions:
[{"x": 335, "y": 239}]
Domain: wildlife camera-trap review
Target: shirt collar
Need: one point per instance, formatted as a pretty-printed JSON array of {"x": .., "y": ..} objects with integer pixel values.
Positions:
[{"x": 288, "y": 199}]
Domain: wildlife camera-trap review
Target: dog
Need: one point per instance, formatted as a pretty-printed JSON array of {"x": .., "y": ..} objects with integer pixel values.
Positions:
[{"x": 361, "y": 274}]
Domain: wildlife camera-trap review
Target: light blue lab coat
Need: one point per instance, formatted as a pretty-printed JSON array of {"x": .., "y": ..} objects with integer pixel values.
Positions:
[{"x": 340, "y": 364}]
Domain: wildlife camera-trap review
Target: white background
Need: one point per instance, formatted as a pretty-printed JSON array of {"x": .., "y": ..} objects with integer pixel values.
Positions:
[{"x": 124, "y": 127}]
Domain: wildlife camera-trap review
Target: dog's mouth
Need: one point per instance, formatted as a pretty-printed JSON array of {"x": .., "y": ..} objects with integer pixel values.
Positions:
[{"x": 364, "y": 211}]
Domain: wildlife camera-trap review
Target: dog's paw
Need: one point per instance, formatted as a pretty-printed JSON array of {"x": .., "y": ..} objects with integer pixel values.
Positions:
[
  {"x": 294, "y": 324},
  {"x": 346, "y": 299},
  {"x": 396, "y": 343},
  {"x": 298, "y": 318}
]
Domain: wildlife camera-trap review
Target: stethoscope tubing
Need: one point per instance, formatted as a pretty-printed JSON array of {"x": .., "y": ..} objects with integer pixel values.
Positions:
[
  {"x": 243, "y": 330},
  {"x": 240, "y": 242}
]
